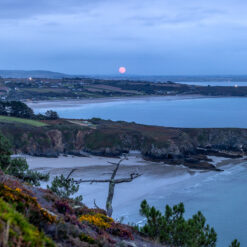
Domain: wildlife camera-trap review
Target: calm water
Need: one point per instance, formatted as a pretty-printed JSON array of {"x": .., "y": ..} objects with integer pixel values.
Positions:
[
  {"x": 220, "y": 196},
  {"x": 204, "y": 112},
  {"x": 219, "y": 83}
]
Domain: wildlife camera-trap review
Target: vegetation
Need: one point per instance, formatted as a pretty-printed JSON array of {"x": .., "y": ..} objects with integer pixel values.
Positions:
[
  {"x": 26, "y": 205},
  {"x": 27, "y": 211},
  {"x": 65, "y": 187},
  {"x": 18, "y": 167},
  {"x": 52, "y": 115},
  {"x": 235, "y": 243},
  {"x": 23, "y": 114},
  {"x": 16, "y": 109},
  {"x": 174, "y": 230},
  {"x": 31, "y": 122},
  {"x": 99, "y": 220},
  {"x": 81, "y": 88},
  {"x": 15, "y": 229}
]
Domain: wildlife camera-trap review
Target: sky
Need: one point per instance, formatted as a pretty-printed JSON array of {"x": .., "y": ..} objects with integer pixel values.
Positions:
[{"x": 148, "y": 37}]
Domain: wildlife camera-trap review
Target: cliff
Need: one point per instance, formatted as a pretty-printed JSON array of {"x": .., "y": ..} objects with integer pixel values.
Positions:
[{"x": 108, "y": 138}]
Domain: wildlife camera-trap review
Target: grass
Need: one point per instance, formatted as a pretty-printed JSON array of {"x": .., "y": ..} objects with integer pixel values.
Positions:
[
  {"x": 22, "y": 120},
  {"x": 46, "y": 90},
  {"x": 20, "y": 230}
]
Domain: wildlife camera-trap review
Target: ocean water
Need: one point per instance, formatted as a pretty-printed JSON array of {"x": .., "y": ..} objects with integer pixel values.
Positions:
[
  {"x": 220, "y": 196},
  {"x": 198, "y": 113},
  {"x": 217, "y": 83}
]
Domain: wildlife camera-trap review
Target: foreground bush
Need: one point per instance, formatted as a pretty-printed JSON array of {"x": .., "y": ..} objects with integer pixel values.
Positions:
[
  {"x": 18, "y": 167},
  {"x": 65, "y": 187},
  {"x": 15, "y": 230},
  {"x": 174, "y": 230}
]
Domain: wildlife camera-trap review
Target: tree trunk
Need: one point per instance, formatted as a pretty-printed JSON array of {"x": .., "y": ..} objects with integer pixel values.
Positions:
[{"x": 109, "y": 209}]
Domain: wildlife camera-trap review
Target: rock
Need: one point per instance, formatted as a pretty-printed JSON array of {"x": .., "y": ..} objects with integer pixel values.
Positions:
[{"x": 125, "y": 243}]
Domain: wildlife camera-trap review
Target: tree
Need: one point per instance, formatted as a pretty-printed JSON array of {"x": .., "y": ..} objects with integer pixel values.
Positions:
[
  {"x": 5, "y": 152},
  {"x": 173, "y": 230},
  {"x": 65, "y": 187},
  {"x": 235, "y": 243},
  {"x": 52, "y": 115},
  {"x": 20, "y": 109},
  {"x": 112, "y": 182},
  {"x": 18, "y": 167}
]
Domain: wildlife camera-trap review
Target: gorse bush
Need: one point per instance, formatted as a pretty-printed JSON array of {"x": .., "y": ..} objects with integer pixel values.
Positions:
[
  {"x": 174, "y": 230},
  {"x": 20, "y": 231},
  {"x": 99, "y": 220},
  {"x": 18, "y": 167},
  {"x": 65, "y": 187}
]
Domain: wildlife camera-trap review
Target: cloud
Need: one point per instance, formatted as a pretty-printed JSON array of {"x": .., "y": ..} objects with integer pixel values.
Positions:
[
  {"x": 148, "y": 34},
  {"x": 15, "y": 9}
]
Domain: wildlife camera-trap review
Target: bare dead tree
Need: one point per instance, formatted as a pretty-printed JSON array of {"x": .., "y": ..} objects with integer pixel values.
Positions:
[{"x": 112, "y": 182}]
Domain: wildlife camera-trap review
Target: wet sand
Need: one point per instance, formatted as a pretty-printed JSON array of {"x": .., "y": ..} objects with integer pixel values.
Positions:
[
  {"x": 74, "y": 103},
  {"x": 128, "y": 196}
]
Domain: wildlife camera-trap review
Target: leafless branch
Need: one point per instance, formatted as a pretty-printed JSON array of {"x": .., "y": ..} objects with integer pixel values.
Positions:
[
  {"x": 112, "y": 182},
  {"x": 93, "y": 181},
  {"x": 95, "y": 205},
  {"x": 71, "y": 172},
  {"x": 117, "y": 167},
  {"x": 127, "y": 180}
]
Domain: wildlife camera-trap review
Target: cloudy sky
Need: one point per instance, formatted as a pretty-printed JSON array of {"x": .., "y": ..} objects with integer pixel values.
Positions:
[{"x": 148, "y": 37}]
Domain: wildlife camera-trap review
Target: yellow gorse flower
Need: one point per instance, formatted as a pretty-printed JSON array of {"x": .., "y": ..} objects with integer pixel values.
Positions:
[{"x": 99, "y": 220}]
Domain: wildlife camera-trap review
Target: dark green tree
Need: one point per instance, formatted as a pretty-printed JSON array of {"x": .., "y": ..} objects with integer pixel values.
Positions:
[
  {"x": 235, "y": 243},
  {"x": 173, "y": 229},
  {"x": 20, "y": 109},
  {"x": 5, "y": 152},
  {"x": 52, "y": 115},
  {"x": 65, "y": 187}
]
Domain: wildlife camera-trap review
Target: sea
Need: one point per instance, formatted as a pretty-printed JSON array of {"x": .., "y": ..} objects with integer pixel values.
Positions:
[
  {"x": 162, "y": 111},
  {"x": 222, "y": 197}
]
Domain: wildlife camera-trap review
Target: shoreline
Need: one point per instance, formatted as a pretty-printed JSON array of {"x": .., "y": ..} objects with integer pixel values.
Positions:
[
  {"x": 160, "y": 179},
  {"x": 76, "y": 102}
]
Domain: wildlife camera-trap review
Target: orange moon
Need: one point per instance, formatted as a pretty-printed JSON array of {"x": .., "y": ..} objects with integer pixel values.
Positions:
[{"x": 122, "y": 70}]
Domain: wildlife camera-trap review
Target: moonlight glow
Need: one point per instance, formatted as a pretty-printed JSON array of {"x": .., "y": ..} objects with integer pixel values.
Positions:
[{"x": 122, "y": 70}]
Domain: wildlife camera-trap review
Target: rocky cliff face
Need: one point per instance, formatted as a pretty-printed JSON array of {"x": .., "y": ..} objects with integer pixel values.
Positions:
[{"x": 188, "y": 146}]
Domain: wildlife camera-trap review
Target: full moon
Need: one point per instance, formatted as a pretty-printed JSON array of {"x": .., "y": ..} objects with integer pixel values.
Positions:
[{"x": 122, "y": 70}]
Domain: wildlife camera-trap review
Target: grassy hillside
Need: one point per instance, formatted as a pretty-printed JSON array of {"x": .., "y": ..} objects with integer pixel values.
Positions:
[{"x": 22, "y": 121}]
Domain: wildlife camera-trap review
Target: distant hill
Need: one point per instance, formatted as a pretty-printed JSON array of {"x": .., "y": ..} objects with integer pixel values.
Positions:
[
  {"x": 31, "y": 73},
  {"x": 173, "y": 78}
]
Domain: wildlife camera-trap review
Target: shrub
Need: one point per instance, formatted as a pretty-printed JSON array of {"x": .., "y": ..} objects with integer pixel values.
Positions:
[
  {"x": 99, "y": 220},
  {"x": 52, "y": 115},
  {"x": 86, "y": 238},
  {"x": 174, "y": 230},
  {"x": 18, "y": 167},
  {"x": 65, "y": 187},
  {"x": 26, "y": 205},
  {"x": 235, "y": 243},
  {"x": 5, "y": 152},
  {"x": 63, "y": 207},
  {"x": 21, "y": 233}
]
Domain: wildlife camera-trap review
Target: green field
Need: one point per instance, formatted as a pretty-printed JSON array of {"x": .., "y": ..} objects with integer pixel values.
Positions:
[{"x": 22, "y": 120}]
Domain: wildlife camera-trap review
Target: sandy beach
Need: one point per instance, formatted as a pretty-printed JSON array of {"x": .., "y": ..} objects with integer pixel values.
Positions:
[
  {"x": 75, "y": 103},
  {"x": 158, "y": 180}
]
